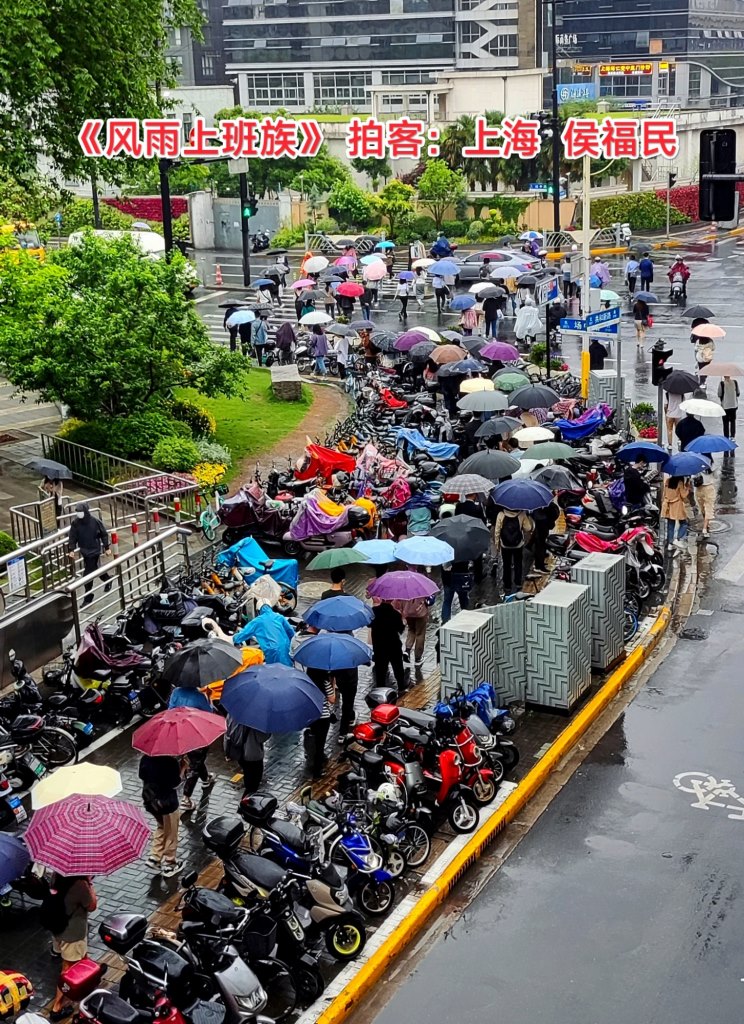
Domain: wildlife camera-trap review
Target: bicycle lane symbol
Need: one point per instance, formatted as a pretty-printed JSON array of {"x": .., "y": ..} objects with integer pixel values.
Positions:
[{"x": 711, "y": 792}]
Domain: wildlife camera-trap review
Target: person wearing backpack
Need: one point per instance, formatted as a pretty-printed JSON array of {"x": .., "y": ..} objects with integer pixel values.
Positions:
[
  {"x": 259, "y": 338},
  {"x": 64, "y": 913},
  {"x": 161, "y": 777},
  {"x": 511, "y": 532}
]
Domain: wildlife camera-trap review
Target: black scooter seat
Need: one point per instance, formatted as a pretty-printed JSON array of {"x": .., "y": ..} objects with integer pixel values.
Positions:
[
  {"x": 110, "y": 1009},
  {"x": 291, "y": 835},
  {"x": 259, "y": 870},
  {"x": 421, "y": 719}
]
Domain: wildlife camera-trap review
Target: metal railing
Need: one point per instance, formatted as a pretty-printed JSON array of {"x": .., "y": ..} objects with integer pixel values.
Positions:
[
  {"x": 117, "y": 585},
  {"x": 168, "y": 494},
  {"x": 34, "y": 569},
  {"x": 91, "y": 466},
  {"x": 34, "y": 520}
]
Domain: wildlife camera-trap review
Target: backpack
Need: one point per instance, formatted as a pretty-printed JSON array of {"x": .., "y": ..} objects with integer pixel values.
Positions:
[
  {"x": 512, "y": 535},
  {"x": 53, "y": 914}
]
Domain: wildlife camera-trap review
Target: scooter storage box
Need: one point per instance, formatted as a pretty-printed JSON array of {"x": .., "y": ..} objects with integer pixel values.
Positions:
[
  {"x": 356, "y": 515},
  {"x": 122, "y": 932},
  {"x": 223, "y": 834},
  {"x": 368, "y": 732},
  {"x": 381, "y": 695},
  {"x": 80, "y": 979},
  {"x": 258, "y": 809},
  {"x": 385, "y": 714}
]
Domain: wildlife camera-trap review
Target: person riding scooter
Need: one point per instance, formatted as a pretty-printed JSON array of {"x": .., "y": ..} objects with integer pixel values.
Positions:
[
  {"x": 679, "y": 267},
  {"x": 441, "y": 247}
]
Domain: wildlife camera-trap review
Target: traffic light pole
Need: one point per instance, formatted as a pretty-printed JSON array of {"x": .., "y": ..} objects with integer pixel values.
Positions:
[
  {"x": 668, "y": 204},
  {"x": 556, "y": 138},
  {"x": 245, "y": 229}
]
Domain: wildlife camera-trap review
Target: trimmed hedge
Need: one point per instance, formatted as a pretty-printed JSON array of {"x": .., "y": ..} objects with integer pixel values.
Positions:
[
  {"x": 642, "y": 210},
  {"x": 175, "y": 454}
]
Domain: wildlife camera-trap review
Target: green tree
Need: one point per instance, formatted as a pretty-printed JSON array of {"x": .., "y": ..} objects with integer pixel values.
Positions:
[
  {"x": 64, "y": 62},
  {"x": 374, "y": 167},
  {"x": 350, "y": 205},
  {"x": 438, "y": 188},
  {"x": 185, "y": 177},
  {"x": 395, "y": 202},
  {"x": 27, "y": 198},
  {"x": 105, "y": 331}
]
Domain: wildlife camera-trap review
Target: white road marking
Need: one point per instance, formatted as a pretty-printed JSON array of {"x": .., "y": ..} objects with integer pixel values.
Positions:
[
  {"x": 206, "y": 298},
  {"x": 733, "y": 570}
]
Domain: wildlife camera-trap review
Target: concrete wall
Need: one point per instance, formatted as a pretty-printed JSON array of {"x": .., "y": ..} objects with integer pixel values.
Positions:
[
  {"x": 205, "y": 100},
  {"x": 226, "y": 214},
  {"x": 201, "y": 216},
  {"x": 518, "y": 92}
]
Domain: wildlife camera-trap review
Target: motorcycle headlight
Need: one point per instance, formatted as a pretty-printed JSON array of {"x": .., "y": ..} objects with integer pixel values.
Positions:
[
  {"x": 253, "y": 1002},
  {"x": 369, "y": 861}
]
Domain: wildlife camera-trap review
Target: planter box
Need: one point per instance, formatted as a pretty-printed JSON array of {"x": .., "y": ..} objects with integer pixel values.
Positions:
[{"x": 604, "y": 575}]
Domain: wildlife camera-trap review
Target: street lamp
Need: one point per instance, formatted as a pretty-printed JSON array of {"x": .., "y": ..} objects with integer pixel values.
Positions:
[{"x": 245, "y": 205}]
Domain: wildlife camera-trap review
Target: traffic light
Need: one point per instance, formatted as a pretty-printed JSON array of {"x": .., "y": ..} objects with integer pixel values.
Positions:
[
  {"x": 671, "y": 180},
  {"x": 717, "y": 156},
  {"x": 659, "y": 356},
  {"x": 250, "y": 206}
]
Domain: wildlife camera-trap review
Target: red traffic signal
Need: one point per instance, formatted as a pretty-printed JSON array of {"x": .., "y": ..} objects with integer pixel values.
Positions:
[{"x": 659, "y": 371}]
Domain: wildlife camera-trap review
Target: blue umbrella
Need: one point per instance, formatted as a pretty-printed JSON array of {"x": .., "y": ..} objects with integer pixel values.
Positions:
[
  {"x": 406, "y": 275},
  {"x": 372, "y": 258},
  {"x": 522, "y": 495},
  {"x": 686, "y": 464},
  {"x": 463, "y": 302},
  {"x": 424, "y": 551},
  {"x": 333, "y": 651},
  {"x": 709, "y": 443},
  {"x": 461, "y": 366},
  {"x": 385, "y": 245},
  {"x": 646, "y": 296},
  {"x": 14, "y": 858},
  {"x": 241, "y": 316},
  {"x": 339, "y": 614},
  {"x": 528, "y": 236},
  {"x": 272, "y": 698},
  {"x": 447, "y": 268},
  {"x": 647, "y": 450},
  {"x": 378, "y": 552},
  {"x": 263, "y": 282}
]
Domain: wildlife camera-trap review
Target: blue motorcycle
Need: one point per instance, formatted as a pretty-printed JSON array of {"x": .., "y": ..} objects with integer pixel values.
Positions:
[{"x": 335, "y": 839}]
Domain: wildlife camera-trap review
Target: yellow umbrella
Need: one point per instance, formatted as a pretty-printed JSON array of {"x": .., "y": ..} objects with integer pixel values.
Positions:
[
  {"x": 76, "y": 779},
  {"x": 476, "y": 384}
]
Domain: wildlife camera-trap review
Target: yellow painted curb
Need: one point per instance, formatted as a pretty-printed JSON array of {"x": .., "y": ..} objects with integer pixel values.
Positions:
[{"x": 377, "y": 964}]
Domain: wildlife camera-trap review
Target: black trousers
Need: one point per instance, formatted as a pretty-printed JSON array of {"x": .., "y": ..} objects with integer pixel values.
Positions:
[
  {"x": 540, "y": 547},
  {"x": 252, "y": 775},
  {"x": 511, "y": 559},
  {"x": 389, "y": 657},
  {"x": 403, "y": 307},
  {"x": 197, "y": 770},
  {"x": 729, "y": 423},
  {"x": 90, "y": 564},
  {"x": 347, "y": 682},
  {"x": 318, "y": 734}
]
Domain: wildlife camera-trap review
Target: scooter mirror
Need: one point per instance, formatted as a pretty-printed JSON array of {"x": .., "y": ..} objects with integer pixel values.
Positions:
[{"x": 189, "y": 879}]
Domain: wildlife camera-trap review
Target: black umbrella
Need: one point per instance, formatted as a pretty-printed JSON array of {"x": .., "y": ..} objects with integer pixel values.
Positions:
[
  {"x": 342, "y": 330},
  {"x": 384, "y": 341},
  {"x": 527, "y": 281},
  {"x": 468, "y": 536},
  {"x": 473, "y": 345},
  {"x": 535, "y": 396},
  {"x": 201, "y": 663},
  {"x": 557, "y": 478},
  {"x": 698, "y": 311},
  {"x": 329, "y": 274},
  {"x": 498, "y": 426},
  {"x": 680, "y": 382},
  {"x": 421, "y": 352},
  {"x": 50, "y": 469},
  {"x": 233, "y": 304},
  {"x": 492, "y": 292},
  {"x": 345, "y": 242},
  {"x": 491, "y": 465},
  {"x": 452, "y": 336},
  {"x": 361, "y": 325}
]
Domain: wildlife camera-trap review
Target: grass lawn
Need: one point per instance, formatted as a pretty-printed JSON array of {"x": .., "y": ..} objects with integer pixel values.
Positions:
[{"x": 251, "y": 425}]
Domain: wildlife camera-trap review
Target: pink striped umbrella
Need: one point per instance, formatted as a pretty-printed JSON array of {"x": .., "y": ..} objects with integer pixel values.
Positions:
[
  {"x": 87, "y": 835},
  {"x": 178, "y": 731}
]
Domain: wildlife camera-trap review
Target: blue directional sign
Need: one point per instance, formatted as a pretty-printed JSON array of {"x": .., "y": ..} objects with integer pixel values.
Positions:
[
  {"x": 602, "y": 317},
  {"x": 573, "y": 91},
  {"x": 576, "y": 324},
  {"x": 608, "y": 329}
]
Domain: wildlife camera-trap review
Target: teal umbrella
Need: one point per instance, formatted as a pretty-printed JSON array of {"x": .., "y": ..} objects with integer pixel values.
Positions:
[{"x": 336, "y": 556}]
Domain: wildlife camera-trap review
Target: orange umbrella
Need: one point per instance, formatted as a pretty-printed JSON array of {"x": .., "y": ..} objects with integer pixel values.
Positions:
[
  {"x": 447, "y": 354},
  {"x": 708, "y": 331}
]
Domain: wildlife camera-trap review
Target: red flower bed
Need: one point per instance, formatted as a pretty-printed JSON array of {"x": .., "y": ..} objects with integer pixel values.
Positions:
[
  {"x": 148, "y": 207},
  {"x": 648, "y": 433}
]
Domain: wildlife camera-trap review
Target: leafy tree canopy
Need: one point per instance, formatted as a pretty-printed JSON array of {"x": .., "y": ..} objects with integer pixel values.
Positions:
[
  {"x": 106, "y": 330},
  {"x": 438, "y": 188},
  {"x": 395, "y": 202}
]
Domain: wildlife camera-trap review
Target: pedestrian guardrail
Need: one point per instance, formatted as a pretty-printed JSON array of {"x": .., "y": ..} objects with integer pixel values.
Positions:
[
  {"x": 91, "y": 466},
  {"x": 34, "y": 520},
  {"x": 34, "y": 569}
]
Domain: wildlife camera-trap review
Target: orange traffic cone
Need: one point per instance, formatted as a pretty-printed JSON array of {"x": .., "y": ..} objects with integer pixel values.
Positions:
[{"x": 218, "y": 276}]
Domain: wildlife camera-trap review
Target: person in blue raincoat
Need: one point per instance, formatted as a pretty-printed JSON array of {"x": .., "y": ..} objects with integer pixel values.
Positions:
[{"x": 271, "y": 632}]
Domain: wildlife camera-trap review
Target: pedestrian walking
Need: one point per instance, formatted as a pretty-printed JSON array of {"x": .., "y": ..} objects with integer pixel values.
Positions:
[
  {"x": 90, "y": 537},
  {"x": 246, "y": 746},
  {"x": 390, "y": 263},
  {"x": 646, "y": 270},
  {"x": 329, "y": 300},
  {"x": 457, "y": 581},
  {"x": 286, "y": 339},
  {"x": 640, "y": 320},
  {"x": 491, "y": 316},
  {"x": 341, "y": 352},
  {"x": 687, "y": 429},
  {"x": 672, "y": 414},
  {"x": 705, "y": 349},
  {"x": 415, "y": 614},
  {"x": 319, "y": 344},
  {"x": 196, "y": 760},
  {"x": 469, "y": 320},
  {"x": 385, "y": 638},
  {"x": 245, "y": 331},
  {"x": 366, "y": 301},
  {"x": 528, "y": 323},
  {"x": 403, "y": 293},
  {"x": 728, "y": 396},
  {"x": 544, "y": 520},
  {"x": 259, "y": 338},
  {"x": 64, "y": 913},
  {"x": 674, "y": 510},
  {"x": 630, "y": 273},
  {"x": 705, "y": 497},
  {"x": 566, "y": 276},
  {"x": 440, "y": 293},
  {"x": 161, "y": 777},
  {"x": 597, "y": 355},
  {"x": 338, "y": 583},
  {"x": 419, "y": 287},
  {"x": 511, "y": 532},
  {"x": 316, "y": 733},
  {"x": 233, "y": 329}
]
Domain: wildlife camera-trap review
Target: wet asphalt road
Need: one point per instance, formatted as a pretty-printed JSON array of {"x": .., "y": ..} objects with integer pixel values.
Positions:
[{"x": 624, "y": 901}]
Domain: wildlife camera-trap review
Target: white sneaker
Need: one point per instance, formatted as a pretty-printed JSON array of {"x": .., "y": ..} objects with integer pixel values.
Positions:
[
  {"x": 187, "y": 804},
  {"x": 680, "y": 545}
]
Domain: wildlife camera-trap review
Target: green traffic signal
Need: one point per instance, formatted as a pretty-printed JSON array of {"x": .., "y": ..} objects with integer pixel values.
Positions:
[{"x": 250, "y": 207}]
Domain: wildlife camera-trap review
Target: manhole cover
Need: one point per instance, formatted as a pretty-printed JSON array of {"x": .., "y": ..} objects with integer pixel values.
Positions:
[
  {"x": 718, "y": 527},
  {"x": 693, "y": 633},
  {"x": 8, "y": 438}
]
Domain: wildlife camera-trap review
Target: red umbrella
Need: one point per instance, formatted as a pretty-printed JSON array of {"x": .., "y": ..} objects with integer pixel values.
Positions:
[
  {"x": 87, "y": 835},
  {"x": 350, "y": 288},
  {"x": 178, "y": 731}
]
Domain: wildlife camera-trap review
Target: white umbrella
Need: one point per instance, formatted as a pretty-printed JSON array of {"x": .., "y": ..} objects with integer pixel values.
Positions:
[
  {"x": 700, "y": 407},
  {"x": 82, "y": 779},
  {"x": 477, "y": 288},
  {"x": 430, "y": 333},
  {"x": 423, "y": 263},
  {"x": 318, "y": 317},
  {"x": 476, "y": 384},
  {"x": 315, "y": 264},
  {"x": 504, "y": 272},
  {"x": 528, "y": 436}
]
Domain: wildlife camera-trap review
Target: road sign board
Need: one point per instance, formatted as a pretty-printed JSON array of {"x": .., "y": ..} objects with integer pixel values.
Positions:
[
  {"x": 608, "y": 329},
  {"x": 546, "y": 291},
  {"x": 575, "y": 324},
  {"x": 537, "y": 186},
  {"x": 239, "y": 166},
  {"x": 602, "y": 317}
]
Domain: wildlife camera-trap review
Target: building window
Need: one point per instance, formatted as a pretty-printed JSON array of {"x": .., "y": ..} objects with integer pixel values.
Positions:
[
  {"x": 342, "y": 88},
  {"x": 276, "y": 90},
  {"x": 407, "y": 77},
  {"x": 188, "y": 123},
  {"x": 470, "y": 32},
  {"x": 694, "y": 82},
  {"x": 176, "y": 63},
  {"x": 208, "y": 65},
  {"x": 503, "y": 46},
  {"x": 174, "y": 38},
  {"x": 631, "y": 86},
  {"x": 668, "y": 82}
]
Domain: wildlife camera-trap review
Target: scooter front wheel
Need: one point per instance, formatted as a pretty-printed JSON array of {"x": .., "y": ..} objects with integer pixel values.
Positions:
[
  {"x": 484, "y": 789},
  {"x": 346, "y": 937},
  {"x": 309, "y": 982},
  {"x": 375, "y": 898},
  {"x": 463, "y": 816}
]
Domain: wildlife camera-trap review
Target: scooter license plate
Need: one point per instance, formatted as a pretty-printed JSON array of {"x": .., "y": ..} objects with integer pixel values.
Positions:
[
  {"x": 136, "y": 702},
  {"x": 35, "y": 765}
]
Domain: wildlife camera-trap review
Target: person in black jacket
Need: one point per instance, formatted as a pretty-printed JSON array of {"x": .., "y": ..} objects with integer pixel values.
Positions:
[
  {"x": 89, "y": 535},
  {"x": 161, "y": 777},
  {"x": 597, "y": 355},
  {"x": 687, "y": 430},
  {"x": 386, "y": 630},
  {"x": 544, "y": 520}
]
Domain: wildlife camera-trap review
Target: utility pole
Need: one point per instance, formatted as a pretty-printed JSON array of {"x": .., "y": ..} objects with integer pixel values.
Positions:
[
  {"x": 245, "y": 228},
  {"x": 556, "y": 139},
  {"x": 671, "y": 178},
  {"x": 96, "y": 207},
  {"x": 165, "y": 202}
]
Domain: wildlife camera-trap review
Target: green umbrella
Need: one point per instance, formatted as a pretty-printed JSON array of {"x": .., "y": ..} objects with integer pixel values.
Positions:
[
  {"x": 510, "y": 381},
  {"x": 555, "y": 450},
  {"x": 336, "y": 556},
  {"x": 607, "y": 295}
]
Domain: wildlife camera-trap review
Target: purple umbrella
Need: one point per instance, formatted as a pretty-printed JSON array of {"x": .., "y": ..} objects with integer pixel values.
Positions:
[
  {"x": 406, "y": 341},
  {"x": 499, "y": 350},
  {"x": 406, "y": 275},
  {"x": 402, "y": 586}
]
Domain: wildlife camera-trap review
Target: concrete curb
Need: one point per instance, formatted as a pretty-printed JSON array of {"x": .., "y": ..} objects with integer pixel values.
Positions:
[{"x": 374, "y": 967}]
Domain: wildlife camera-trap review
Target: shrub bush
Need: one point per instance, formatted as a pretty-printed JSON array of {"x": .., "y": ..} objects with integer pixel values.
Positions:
[
  {"x": 70, "y": 426},
  {"x": 476, "y": 230},
  {"x": 78, "y": 214},
  {"x": 424, "y": 228},
  {"x": 7, "y": 544},
  {"x": 99, "y": 434},
  {"x": 175, "y": 454},
  {"x": 327, "y": 224},
  {"x": 287, "y": 236},
  {"x": 210, "y": 451},
  {"x": 199, "y": 420},
  {"x": 642, "y": 210},
  {"x": 455, "y": 228},
  {"x": 138, "y": 435}
]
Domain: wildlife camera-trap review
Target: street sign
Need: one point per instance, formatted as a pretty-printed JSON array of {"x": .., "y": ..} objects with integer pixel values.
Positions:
[
  {"x": 537, "y": 186},
  {"x": 16, "y": 571},
  {"x": 575, "y": 324},
  {"x": 602, "y": 317},
  {"x": 239, "y": 166},
  {"x": 574, "y": 91},
  {"x": 609, "y": 329},
  {"x": 546, "y": 291}
]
